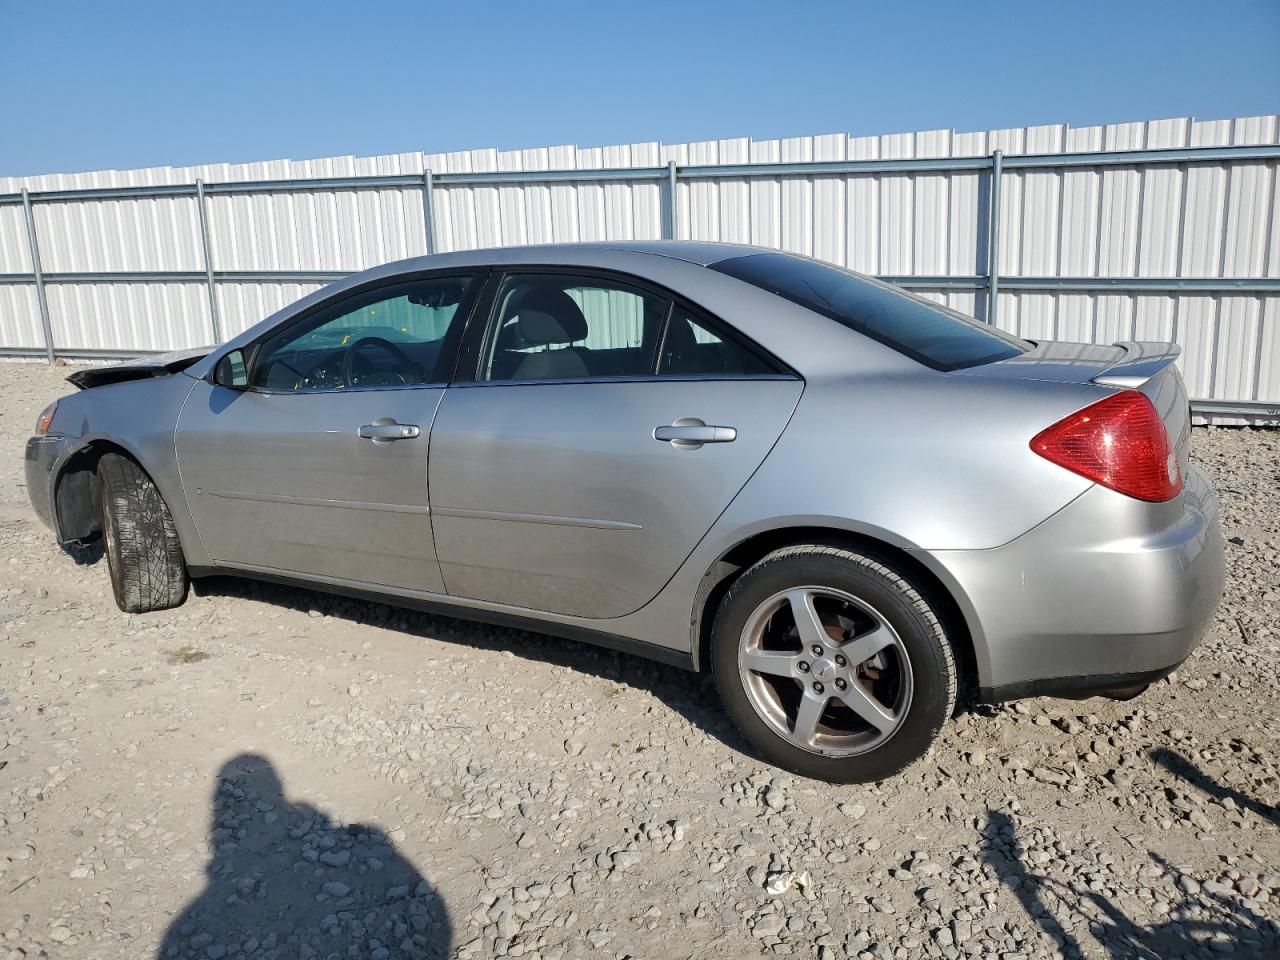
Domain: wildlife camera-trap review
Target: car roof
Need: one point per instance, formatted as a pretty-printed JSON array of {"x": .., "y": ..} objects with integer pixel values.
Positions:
[
  {"x": 690, "y": 251},
  {"x": 700, "y": 252}
]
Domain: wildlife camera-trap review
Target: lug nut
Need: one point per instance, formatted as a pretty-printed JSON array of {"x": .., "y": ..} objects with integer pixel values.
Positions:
[
  {"x": 840, "y": 660},
  {"x": 802, "y": 667},
  {"x": 840, "y": 684},
  {"x": 817, "y": 688},
  {"x": 817, "y": 650}
]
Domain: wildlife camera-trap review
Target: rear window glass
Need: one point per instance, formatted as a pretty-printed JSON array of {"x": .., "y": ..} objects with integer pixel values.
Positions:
[{"x": 924, "y": 331}]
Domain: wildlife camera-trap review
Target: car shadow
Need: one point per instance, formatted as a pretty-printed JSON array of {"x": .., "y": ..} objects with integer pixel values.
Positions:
[
  {"x": 286, "y": 880},
  {"x": 689, "y": 694},
  {"x": 1185, "y": 769},
  {"x": 1199, "y": 919}
]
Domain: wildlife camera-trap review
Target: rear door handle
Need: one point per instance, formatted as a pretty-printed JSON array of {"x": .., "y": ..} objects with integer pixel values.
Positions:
[
  {"x": 689, "y": 433},
  {"x": 385, "y": 430}
]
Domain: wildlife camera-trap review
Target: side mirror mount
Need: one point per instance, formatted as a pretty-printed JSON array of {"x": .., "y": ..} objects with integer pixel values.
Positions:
[{"x": 232, "y": 372}]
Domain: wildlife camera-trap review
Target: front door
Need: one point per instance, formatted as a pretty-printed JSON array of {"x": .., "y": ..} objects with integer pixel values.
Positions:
[
  {"x": 318, "y": 465},
  {"x": 606, "y": 430}
]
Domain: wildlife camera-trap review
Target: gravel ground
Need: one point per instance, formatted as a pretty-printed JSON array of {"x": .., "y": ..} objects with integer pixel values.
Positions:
[{"x": 268, "y": 772}]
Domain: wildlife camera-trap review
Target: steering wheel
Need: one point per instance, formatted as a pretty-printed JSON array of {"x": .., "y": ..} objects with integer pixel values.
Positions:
[{"x": 408, "y": 369}]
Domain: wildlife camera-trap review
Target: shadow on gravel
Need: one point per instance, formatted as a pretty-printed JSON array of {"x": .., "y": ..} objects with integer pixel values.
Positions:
[
  {"x": 691, "y": 695},
  {"x": 287, "y": 882},
  {"x": 1185, "y": 769},
  {"x": 1200, "y": 919}
]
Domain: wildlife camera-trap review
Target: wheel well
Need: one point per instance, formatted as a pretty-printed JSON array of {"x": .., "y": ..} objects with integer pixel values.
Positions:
[
  {"x": 78, "y": 492},
  {"x": 717, "y": 581}
]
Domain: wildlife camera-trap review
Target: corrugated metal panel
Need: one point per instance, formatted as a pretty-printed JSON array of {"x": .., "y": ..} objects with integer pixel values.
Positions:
[
  {"x": 330, "y": 230},
  {"x": 931, "y": 225},
  {"x": 1168, "y": 220},
  {"x": 797, "y": 198},
  {"x": 241, "y": 305},
  {"x": 830, "y": 206},
  {"x": 150, "y": 233},
  {"x": 1197, "y": 321},
  {"x": 1156, "y": 318},
  {"x": 1113, "y": 318},
  {"x": 1267, "y": 381},
  {"x": 15, "y": 254},
  {"x": 1075, "y": 317},
  {"x": 20, "y": 316},
  {"x": 140, "y": 316},
  {"x": 1041, "y": 194},
  {"x": 1235, "y": 347}
]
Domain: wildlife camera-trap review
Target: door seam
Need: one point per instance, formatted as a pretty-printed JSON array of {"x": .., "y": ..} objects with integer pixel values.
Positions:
[
  {"x": 177, "y": 463},
  {"x": 426, "y": 480}
]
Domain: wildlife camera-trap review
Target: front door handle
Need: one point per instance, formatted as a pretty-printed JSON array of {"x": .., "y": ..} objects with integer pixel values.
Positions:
[
  {"x": 689, "y": 433},
  {"x": 385, "y": 430}
]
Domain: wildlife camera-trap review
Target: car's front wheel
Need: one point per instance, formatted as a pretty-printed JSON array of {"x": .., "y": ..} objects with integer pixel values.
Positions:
[
  {"x": 144, "y": 555},
  {"x": 833, "y": 663}
]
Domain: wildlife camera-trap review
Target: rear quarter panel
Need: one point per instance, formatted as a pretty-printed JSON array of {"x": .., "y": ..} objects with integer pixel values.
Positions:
[
  {"x": 915, "y": 460},
  {"x": 924, "y": 461}
]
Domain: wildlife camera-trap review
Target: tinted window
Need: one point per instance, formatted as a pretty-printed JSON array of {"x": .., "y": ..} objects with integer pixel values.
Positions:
[
  {"x": 691, "y": 348},
  {"x": 933, "y": 335},
  {"x": 558, "y": 327},
  {"x": 392, "y": 336}
]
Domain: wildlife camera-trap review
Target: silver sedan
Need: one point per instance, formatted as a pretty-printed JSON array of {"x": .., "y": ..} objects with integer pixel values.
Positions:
[{"x": 850, "y": 504}]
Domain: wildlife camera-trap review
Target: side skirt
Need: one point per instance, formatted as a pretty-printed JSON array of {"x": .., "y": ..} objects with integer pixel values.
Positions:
[{"x": 460, "y": 611}]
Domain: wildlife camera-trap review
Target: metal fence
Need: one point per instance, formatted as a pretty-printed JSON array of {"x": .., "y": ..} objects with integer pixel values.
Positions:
[{"x": 1165, "y": 230}]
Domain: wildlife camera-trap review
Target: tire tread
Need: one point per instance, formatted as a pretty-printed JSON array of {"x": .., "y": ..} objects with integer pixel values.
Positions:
[{"x": 150, "y": 571}]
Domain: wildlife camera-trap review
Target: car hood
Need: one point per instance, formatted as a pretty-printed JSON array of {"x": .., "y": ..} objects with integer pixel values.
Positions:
[{"x": 158, "y": 365}]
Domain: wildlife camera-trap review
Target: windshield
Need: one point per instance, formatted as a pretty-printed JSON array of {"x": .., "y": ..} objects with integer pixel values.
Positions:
[{"x": 923, "y": 330}]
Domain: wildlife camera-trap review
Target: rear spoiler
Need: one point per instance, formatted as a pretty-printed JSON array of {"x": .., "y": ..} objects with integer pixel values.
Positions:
[
  {"x": 1142, "y": 360},
  {"x": 160, "y": 365}
]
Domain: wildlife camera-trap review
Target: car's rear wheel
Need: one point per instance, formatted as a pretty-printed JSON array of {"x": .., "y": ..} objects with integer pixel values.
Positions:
[
  {"x": 833, "y": 663},
  {"x": 144, "y": 556}
]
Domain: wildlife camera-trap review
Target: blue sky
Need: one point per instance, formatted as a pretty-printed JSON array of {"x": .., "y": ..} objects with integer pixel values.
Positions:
[{"x": 85, "y": 86}]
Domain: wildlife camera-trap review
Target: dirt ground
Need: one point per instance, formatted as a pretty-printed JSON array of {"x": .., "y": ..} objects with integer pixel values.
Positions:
[{"x": 269, "y": 772}]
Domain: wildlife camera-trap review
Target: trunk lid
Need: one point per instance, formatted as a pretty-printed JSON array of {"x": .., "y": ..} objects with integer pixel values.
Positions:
[
  {"x": 1146, "y": 366},
  {"x": 159, "y": 365}
]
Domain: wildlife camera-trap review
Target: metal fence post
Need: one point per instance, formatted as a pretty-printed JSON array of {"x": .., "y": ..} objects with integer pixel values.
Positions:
[
  {"x": 39, "y": 275},
  {"x": 672, "y": 206},
  {"x": 208, "y": 263},
  {"x": 993, "y": 237},
  {"x": 428, "y": 206}
]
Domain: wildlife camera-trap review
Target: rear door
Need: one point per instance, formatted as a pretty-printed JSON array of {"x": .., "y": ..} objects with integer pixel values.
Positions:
[
  {"x": 318, "y": 464},
  {"x": 605, "y": 429}
]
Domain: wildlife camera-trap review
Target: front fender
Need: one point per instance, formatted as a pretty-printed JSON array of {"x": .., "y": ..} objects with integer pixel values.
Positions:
[{"x": 137, "y": 417}]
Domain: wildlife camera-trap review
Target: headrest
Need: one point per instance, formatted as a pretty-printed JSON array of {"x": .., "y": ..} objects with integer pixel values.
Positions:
[{"x": 546, "y": 315}]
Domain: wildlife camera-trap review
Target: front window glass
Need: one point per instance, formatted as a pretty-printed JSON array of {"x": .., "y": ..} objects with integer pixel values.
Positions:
[
  {"x": 924, "y": 331},
  {"x": 401, "y": 335}
]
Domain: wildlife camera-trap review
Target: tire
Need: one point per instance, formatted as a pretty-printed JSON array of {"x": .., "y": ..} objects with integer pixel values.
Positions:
[
  {"x": 144, "y": 556},
  {"x": 889, "y": 708}
]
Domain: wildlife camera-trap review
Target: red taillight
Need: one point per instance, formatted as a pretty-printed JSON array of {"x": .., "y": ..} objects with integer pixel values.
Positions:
[{"x": 1119, "y": 442}]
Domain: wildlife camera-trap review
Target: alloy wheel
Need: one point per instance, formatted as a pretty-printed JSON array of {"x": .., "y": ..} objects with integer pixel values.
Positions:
[{"x": 825, "y": 670}]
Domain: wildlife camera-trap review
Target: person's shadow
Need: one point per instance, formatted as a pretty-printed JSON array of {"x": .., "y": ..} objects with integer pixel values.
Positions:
[
  {"x": 286, "y": 882},
  {"x": 1214, "y": 917},
  {"x": 1181, "y": 766}
]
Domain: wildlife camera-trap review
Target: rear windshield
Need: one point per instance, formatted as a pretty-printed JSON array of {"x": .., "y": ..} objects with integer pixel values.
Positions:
[{"x": 924, "y": 331}]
